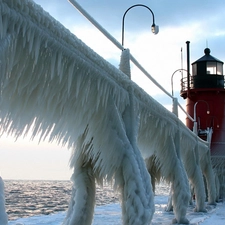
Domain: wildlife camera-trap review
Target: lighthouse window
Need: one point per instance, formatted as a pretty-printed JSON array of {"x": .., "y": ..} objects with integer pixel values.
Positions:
[
  {"x": 219, "y": 68},
  {"x": 194, "y": 69},
  {"x": 211, "y": 68}
]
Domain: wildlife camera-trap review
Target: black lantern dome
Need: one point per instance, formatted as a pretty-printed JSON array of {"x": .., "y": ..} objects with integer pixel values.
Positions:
[{"x": 207, "y": 72}]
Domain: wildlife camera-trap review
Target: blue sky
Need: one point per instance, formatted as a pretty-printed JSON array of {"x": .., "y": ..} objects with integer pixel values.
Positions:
[{"x": 200, "y": 22}]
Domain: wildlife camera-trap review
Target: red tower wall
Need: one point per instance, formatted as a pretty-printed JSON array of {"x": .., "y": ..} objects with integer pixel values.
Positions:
[{"x": 215, "y": 119}]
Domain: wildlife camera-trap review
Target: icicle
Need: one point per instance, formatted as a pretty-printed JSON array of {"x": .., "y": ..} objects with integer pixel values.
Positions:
[
  {"x": 70, "y": 76},
  {"x": 1, "y": 26},
  {"x": 4, "y": 27},
  {"x": 53, "y": 65},
  {"x": 59, "y": 63},
  {"x": 36, "y": 49}
]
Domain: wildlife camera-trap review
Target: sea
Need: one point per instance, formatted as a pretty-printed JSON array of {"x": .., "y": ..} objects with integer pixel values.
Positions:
[{"x": 26, "y": 198}]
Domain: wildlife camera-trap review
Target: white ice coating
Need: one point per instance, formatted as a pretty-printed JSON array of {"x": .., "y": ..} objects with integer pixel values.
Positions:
[
  {"x": 3, "y": 215},
  {"x": 54, "y": 85}
]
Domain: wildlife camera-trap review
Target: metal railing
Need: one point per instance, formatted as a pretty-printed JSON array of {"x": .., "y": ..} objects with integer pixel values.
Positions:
[{"x": 206, "y": 81}]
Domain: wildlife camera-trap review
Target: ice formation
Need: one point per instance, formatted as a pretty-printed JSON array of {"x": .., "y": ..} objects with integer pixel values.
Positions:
[
  {"x": 57, "y": 87},
  {"x": 3, "y": 215}
]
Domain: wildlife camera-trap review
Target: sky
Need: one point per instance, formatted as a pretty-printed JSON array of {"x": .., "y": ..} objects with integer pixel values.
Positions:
[{"x": 200, "y": 22}]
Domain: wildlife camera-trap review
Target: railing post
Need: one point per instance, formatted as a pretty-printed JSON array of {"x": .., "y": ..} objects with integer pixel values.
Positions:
[{"x": 175, "y": 106}]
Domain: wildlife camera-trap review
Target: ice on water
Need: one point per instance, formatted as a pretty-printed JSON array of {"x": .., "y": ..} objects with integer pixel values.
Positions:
[{"x": 111, "y": 215}]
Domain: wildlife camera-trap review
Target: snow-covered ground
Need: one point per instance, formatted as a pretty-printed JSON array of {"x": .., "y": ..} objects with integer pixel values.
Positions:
[{"x": 111, "y": 215}]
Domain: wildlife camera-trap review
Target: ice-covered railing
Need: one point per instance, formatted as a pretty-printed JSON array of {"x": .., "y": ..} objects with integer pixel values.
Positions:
[
  {"x": 117, "y": 44},
  {"x": 175, "y": 102},
  {"x": 53, "y": 56},
  {"x": 55, "y": 86},
  {"x": 114, "y": 41}
]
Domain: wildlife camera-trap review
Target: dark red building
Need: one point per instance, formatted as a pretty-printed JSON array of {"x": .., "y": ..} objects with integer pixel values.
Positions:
[{"x": 205, "y": 102}]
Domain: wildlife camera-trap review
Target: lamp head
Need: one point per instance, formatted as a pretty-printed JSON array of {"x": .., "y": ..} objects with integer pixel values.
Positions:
[
  {"x": 208, "y": 112},
  {"x": 155, "y": 29}
]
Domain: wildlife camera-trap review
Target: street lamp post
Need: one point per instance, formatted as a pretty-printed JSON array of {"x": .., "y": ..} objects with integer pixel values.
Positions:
[
  {"x": 195, "y": 130},
  {"x": 175, "y": 101},
  {"x": 155, "y": 28}
]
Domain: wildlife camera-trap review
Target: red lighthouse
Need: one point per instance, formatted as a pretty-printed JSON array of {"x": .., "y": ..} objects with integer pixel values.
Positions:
[{"x": 205, "y": 102}]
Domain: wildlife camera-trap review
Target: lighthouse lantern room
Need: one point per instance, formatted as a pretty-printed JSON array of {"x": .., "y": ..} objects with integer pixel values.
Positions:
[{"x": 207, "y": 72}]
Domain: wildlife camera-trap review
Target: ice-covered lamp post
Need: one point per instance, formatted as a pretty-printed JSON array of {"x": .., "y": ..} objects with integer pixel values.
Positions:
[
  {"x": 195, "y": 130},
  {"x": 178, "y": 70},
  {"x": 155, "y": 28},
  {"x": 130, "y": 117},
  {"x": 125, "y": 57},
  {"x": 175, "y": 101}
]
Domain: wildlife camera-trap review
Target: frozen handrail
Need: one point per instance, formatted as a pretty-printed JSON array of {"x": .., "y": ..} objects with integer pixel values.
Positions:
[
  {"x": 185, "y": 112},
  {"x": 113, "y": 40}
]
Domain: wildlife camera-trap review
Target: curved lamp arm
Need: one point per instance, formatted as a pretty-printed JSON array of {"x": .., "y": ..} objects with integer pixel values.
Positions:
[
  {"x": 195, "y": 122},
  {"x": 155, "y": 28}
]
